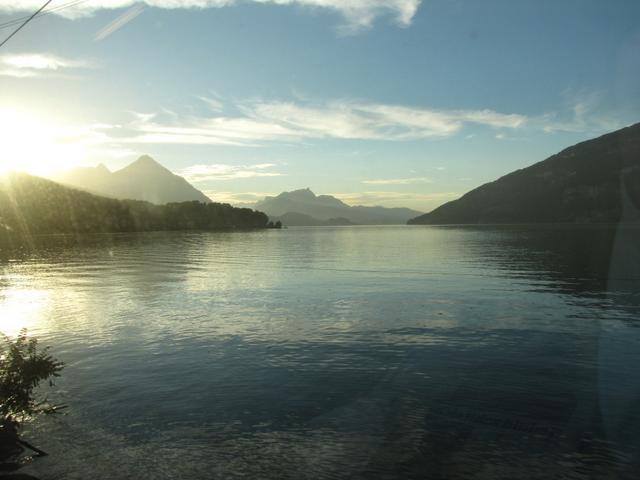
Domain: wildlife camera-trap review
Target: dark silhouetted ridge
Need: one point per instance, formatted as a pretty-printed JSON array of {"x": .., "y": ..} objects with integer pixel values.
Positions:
[{"x": 594, "y": 181}]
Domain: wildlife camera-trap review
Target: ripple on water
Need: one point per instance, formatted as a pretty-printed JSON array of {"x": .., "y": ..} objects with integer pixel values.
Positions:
[{"x": 388, "y": 352}]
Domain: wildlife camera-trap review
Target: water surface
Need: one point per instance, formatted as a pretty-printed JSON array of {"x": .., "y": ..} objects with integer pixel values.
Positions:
[{"x": 347, "y": 352}]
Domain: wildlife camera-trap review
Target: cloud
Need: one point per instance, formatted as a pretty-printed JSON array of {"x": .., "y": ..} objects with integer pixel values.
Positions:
[
  {"x": 192, "y": 130},
  {"x": 398, "y": 181},
  {"x": 119, "y": 22},
  {"x": 215, "y": 104},
  {"x": 424, "y": 201},
  {"x": 355, "y": 120},
  {"x": 260, "y": 122},
  {"x": 218, "y": 171},
  {"x": 582, "y": 112},
  {"x": 24, "y": 65},
  {"x": 358, "y": 14},
  {"x": 239, "y": 199},
  {"x": 361, "y": 14}
]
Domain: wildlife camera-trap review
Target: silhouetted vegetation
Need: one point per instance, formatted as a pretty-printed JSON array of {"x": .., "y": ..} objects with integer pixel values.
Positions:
[
  {"x": 22, "y": 368},
  {"x": 593, "y": 181},
  {"x": 32, "y": 205},
  {"x": 294, "y": 219}
]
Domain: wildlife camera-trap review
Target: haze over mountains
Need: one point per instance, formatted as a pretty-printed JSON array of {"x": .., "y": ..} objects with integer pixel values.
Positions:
[
  {"x": 593, "y": 181},
  {"x": 303, "y": 207},
  {"x": 145, "y": 179}
]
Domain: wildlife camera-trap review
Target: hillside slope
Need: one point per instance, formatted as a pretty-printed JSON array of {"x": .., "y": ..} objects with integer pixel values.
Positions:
[
  {"x": 594, "y": 181},
  {"x": 32, "y": 205}
]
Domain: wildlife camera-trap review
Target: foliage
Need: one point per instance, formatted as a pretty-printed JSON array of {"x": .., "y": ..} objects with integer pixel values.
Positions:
[
  {"x": 22, "y": 368},
  {"x": 31, "y": 205}
]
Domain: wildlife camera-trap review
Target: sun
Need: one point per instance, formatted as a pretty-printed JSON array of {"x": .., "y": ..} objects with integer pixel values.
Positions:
[{"x": 37, "y": 145}]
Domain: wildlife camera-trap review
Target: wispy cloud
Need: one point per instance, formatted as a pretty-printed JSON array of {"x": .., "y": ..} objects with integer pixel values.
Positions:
[
  {"x": 239, "y": 199},
  {"x": 372, "y": 121},
  {"x": 583, "y": 112},
  {"x": 219, "y": 171},
  {"x": 398, "y": 181},
  {"x": 260, "y": 122},
  {"x": 119, "y": 22},
  {"x": 419, "y": 200},
  {"x": 215, "y": 103},
  {"x": 24, "y": 65},
  {"x": 191, "y": 130},
  {"x": 358, "y": 14}
]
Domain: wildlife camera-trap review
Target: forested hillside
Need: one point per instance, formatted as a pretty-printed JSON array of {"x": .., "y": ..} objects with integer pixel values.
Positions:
[{"x": 32, "y": 205}]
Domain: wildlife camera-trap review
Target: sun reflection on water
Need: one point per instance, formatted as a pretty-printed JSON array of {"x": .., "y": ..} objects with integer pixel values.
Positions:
[{"x": 21, "y": 308}]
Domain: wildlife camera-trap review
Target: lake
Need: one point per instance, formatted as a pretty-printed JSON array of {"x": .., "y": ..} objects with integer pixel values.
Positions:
[{"x": 334, "y": 353}]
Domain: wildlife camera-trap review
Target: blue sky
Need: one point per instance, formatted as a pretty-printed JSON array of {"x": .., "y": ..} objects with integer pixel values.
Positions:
[{"x": 399, "y": 102}]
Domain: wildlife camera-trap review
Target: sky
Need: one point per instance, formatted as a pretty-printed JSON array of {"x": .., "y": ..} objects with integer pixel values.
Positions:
[{"x": 378, "y": 102}]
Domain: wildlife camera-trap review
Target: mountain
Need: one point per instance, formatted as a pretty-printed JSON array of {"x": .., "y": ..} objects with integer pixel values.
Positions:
[
  {"x": 593, "y": 181},
  {"x": 145, "y": 179},
  {"x": 322, "y": 208},
  {"x": 31, "y": 205}
]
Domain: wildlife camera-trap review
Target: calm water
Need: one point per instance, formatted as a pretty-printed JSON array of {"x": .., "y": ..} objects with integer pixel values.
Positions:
[{"x": 349, "y": 352}]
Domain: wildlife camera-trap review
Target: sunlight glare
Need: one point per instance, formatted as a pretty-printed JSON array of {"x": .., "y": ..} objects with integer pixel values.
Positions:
[
  {"x": 21, "y": 309},
  {"x": 35, "y": 145}
]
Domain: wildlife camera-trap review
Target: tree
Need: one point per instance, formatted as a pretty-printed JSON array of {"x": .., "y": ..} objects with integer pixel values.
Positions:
[{"x": 22, "y": 368}]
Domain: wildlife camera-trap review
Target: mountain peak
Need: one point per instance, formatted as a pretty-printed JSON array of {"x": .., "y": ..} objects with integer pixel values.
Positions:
[
  {"x": 144, "y": 165},
  {"x": 145, "y": 158},
  {"x": 145, "y": 162},
  {"x": 301, "y": 194},
  {"x": 305, "y": 207},
  {"x": 144, "y": 179},
  {"x": 101, "y": 168}
]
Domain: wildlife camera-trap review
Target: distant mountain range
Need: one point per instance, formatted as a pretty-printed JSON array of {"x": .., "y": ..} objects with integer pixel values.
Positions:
[
  {"x": 32, "y": 205},
  {"x": 145, "y": 179},
  {"x": 303, "y": 207},
  {"x": 593, "y": 181}
]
